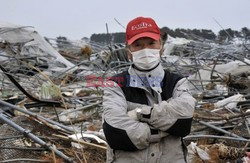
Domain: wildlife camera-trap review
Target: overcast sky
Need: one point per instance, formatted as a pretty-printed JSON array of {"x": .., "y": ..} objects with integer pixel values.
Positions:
[{"x": 81, "y": 18}]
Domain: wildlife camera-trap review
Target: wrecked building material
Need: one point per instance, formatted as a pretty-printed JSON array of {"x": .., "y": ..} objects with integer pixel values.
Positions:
[
  {"x": 29, "y": 43},
  {"x": 34, "y": 138},
  {"x": 66, "y": 86}
]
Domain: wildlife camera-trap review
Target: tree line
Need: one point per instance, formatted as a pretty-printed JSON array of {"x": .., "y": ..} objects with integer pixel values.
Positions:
[{"x": 193, "y": 34}]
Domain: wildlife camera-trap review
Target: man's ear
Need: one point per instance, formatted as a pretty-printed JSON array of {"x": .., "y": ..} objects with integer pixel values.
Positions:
[{"x": 129, "y": 54}]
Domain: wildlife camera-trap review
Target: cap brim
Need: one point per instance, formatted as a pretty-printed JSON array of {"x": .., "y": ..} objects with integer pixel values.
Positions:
[{"x": 154, "y": 36}]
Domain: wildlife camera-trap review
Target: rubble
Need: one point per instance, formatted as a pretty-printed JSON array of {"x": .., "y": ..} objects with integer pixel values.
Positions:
[{"x": 51, "y": 96}]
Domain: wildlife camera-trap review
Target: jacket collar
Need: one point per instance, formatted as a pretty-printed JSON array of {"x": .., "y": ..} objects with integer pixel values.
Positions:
[{"x": 146, "y": 79}]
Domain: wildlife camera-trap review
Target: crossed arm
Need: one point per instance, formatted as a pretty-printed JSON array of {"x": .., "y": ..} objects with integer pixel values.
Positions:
[{"x": 169, "y": 117}]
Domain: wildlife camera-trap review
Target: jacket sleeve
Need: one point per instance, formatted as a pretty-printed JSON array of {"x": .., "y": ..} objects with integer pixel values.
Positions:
[
  {"x": 121, "y": 131},
  {"x": 174, "y": 116}
]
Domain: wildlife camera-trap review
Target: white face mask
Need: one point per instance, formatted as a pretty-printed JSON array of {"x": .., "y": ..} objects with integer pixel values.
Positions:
[{"x": 146, "y": 59}]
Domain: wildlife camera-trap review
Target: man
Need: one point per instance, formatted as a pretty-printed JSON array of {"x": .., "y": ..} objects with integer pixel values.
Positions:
[{"x": 149, "y": 109}]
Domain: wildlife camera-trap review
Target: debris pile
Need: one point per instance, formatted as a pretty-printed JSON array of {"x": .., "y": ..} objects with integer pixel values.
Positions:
[{"x": 51, "y": 96}]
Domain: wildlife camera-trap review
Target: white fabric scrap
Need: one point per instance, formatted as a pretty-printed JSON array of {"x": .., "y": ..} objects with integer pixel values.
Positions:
[
  {"x": 194, "y": 150},
  {"x": 228, "y": 103},
  {"x": 90, "y": 136}
]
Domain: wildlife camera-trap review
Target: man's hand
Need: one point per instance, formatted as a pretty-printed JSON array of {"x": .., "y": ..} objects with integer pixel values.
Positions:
[
  {"x": 157, "y": 137},
  {"x": 137, "y": 113},
  {"x": 133, "y": 114}
]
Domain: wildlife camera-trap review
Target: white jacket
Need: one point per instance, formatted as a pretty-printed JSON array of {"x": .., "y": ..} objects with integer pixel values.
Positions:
[{"x": 168, "y": 118}]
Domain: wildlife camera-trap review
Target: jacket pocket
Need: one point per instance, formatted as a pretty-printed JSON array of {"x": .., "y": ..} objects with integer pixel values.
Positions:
[{"x": 129, "y": 157}]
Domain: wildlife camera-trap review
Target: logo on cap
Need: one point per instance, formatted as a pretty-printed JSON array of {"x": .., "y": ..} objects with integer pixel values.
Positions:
[{"x": 140, "y": 26}]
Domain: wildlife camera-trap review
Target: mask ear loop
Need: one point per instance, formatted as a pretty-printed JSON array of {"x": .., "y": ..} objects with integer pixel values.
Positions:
[{"x": 129, "y": 51}]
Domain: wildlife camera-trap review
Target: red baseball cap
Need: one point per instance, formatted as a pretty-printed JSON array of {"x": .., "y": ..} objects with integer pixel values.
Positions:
[{"x": 142, "y": 27}]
